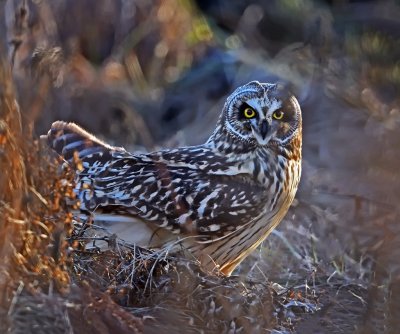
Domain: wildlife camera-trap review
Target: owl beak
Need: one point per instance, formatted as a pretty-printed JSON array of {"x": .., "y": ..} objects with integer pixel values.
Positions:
[{"x": 264, "y": 127}]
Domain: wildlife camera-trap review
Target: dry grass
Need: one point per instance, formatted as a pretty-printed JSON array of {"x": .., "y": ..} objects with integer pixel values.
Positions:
[{"x": 36, "y": 293}]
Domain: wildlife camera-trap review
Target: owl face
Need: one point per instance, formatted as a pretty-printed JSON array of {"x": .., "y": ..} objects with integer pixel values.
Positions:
[{"x": 262, "y": 114}]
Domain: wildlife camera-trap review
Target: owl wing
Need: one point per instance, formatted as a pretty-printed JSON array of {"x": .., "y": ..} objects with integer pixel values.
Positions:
[{"x": 188, "y": 190}]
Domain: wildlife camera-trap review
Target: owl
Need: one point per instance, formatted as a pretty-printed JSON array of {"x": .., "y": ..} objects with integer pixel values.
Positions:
[{"x": 218, "y": 200}]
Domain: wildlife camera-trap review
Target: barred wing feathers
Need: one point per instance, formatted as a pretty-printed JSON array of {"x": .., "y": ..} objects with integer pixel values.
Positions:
[{"x": 188, "y": 190}]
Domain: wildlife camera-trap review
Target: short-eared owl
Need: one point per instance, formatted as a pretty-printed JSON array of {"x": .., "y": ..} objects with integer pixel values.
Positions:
[{"x": 219, "y": 200}]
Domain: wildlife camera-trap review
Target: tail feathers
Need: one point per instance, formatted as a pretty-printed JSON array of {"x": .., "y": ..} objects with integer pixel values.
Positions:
[{"x": 68, "y": 138}]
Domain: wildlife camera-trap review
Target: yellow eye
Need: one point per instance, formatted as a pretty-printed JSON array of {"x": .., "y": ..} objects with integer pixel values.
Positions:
[
  {"x": 249, "y": 113},
  {"x": 278, "y": 114}
]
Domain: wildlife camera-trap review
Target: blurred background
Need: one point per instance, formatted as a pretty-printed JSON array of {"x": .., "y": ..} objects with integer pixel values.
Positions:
[{"x": 150, "y": 74}]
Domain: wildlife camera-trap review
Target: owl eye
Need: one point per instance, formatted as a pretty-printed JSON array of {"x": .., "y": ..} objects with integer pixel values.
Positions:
[
  {"x": 249, "y": 112},
  {"x": 278, "y": 114}
]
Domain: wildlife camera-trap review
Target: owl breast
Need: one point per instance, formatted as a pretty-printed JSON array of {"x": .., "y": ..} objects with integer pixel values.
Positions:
[{"x": 280, "y": 181}]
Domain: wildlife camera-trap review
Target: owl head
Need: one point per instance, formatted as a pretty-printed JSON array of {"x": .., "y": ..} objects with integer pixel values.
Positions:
[{"x": 262, "y": 114}]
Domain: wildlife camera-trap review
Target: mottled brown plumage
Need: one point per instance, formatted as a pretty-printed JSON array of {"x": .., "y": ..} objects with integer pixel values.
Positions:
[{"x": 219, "y": 200}]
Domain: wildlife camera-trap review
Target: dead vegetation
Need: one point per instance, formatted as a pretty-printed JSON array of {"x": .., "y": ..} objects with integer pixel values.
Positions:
[{"x": 37, "y": 295}]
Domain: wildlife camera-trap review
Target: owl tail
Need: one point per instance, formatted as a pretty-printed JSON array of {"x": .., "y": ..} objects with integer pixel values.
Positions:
[{"x": 72, "y": 142}]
